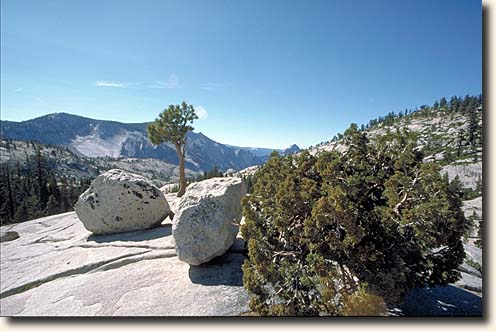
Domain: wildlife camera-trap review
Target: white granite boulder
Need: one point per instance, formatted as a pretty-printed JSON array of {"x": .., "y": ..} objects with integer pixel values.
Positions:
[
  {"x": 118, "y": 201},
  {"x": 208, "y": 218}
]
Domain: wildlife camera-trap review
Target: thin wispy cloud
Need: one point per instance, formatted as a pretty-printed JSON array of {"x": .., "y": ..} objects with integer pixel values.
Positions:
[
  {"x": 201, "y": 112},
  {"x": 172, "y": 82},
  {"x": 210, "y": 86},
  {"x": 111, "y": 84},
  {"x": 18, "y": 90}
]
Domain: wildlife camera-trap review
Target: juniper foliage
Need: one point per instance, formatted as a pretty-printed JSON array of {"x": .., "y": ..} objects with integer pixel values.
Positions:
[{"x": 347, "y": 233}]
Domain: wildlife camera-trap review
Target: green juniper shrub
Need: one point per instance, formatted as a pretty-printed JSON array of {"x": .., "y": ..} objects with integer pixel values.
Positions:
[
  {"x": 249, "y": 180},
  {"x": 348, "y": 233}
]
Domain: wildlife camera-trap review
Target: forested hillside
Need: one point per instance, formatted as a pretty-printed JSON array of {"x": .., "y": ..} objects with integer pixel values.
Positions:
[
  {"x": 39, "y": 179},
  {"x": 447, "y": 130},
  {"x": 35, "y": 187}
]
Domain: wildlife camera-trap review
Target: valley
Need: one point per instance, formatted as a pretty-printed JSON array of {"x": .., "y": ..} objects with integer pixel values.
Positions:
[{"x": 100, "y": 139}]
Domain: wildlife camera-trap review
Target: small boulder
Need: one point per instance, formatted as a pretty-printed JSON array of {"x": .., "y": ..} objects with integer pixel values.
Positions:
[
  {"x": 118, "y": 201},
  {"x": 8, "y": 236},
  {"x": 208, "y": 218}
]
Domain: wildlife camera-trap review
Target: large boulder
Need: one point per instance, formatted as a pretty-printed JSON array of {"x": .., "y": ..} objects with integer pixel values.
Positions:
[
  {"x": 118, "y": 201},
  {"x": 207, "y": 220}
]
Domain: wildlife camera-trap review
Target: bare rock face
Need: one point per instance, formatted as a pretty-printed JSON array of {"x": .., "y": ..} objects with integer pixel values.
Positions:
[
  {"x": 57, "y": 268},
  {"x": 207, "y": 220},
  {"x": 118, "y": 201}
]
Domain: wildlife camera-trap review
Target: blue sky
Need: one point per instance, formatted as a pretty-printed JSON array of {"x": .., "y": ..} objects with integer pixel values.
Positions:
[{"x": 264, "y": 73}]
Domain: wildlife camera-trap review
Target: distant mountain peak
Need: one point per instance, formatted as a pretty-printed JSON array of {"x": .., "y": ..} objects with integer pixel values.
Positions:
[
  {"x": 58, "y": 115},
  {"x": 103, "y": 138},
  {"x": 292, "y": 149}
]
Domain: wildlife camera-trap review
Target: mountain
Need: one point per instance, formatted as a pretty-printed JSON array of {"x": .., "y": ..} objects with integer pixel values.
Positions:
[
  {"x": 449, "y": 133},
  {"x": 66, "y": 163},
  {"x": 265, "y": 152},
  {"x": 98, "y": 138},
  {"x": 292, "y": 149},
  {"x": 260, "y": 152}
]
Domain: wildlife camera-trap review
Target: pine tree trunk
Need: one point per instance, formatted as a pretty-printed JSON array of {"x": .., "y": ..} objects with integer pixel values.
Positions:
[{"x": 182, "y": 174}]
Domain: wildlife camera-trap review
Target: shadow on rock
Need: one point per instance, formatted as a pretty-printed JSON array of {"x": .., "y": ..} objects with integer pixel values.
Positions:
[
  {"x": 441, "y": 301},
  {"x": 239, "y": 245},
  {"x": 135, "y": 236},
  {"x": 222, "y": 270}
]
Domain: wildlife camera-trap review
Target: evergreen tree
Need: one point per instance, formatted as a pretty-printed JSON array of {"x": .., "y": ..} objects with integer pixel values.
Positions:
[
  {"x": 249, "y": 180},
  {"x": 478, "y": 242},
  {"x": 172, "y": 126},
  {"x": 52, "y": 206},
  {"x": 442, "y": 103},
  {"x": 478, "y": 186},
  {"x": 41, "y": 179},
  {"x": 363, "y": 226},
  {"x": 7, "y": 203},
  {"x": 474, "y": 139},
  {"x": 22, "y": 213},
  {"x": 65, "y": 204},
  {"x": 460, "y": 143},
  {"x": 454, "y": 104}
]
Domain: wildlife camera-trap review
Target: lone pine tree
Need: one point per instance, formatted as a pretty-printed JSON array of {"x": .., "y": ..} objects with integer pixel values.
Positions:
[
  {"x": 172, "y": 125},
  {"x": 349, "y": 233}
]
